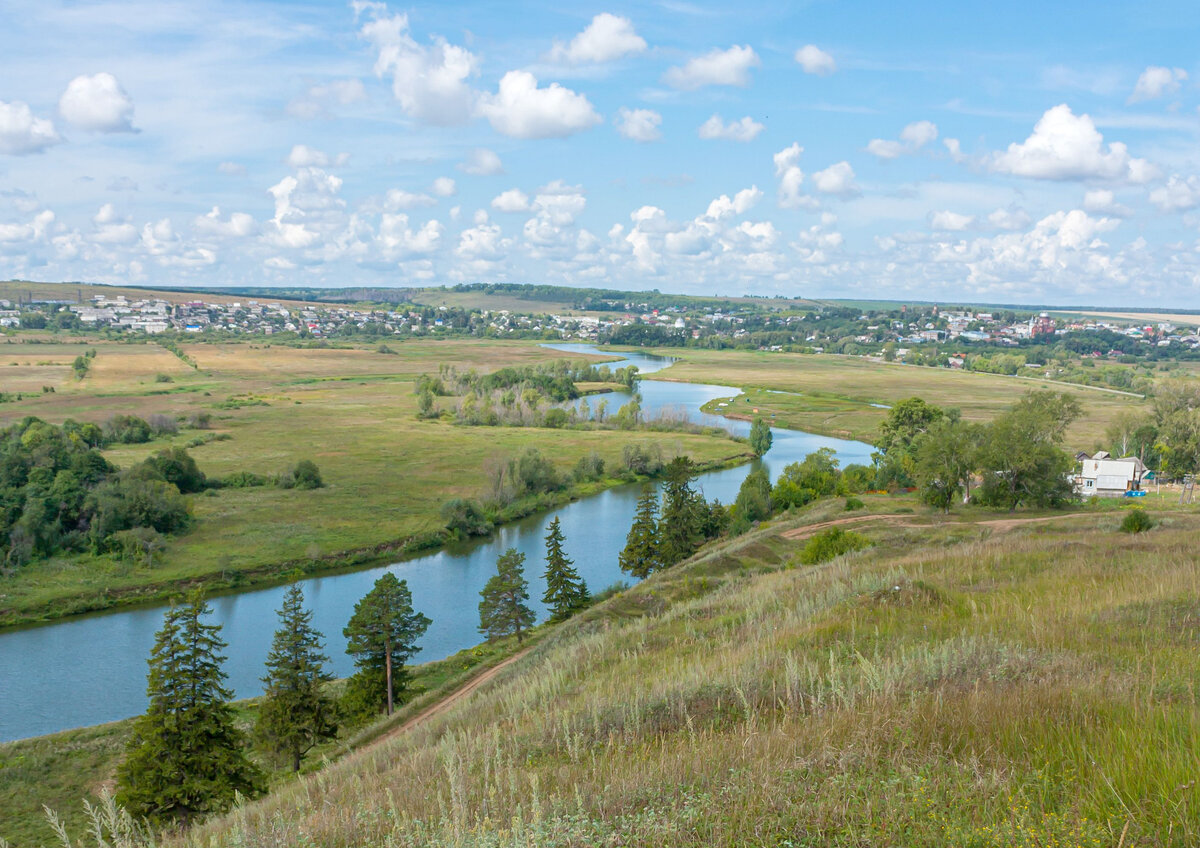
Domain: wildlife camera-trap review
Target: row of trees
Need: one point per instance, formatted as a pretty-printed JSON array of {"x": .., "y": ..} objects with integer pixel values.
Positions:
[{"x": 187, "y": 757}]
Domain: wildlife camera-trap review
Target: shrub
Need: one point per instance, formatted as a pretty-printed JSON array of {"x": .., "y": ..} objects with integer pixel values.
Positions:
[
  {"x": 556, "y": 417},
  {"x": 126, "y": 430},
  {"x": 832, "y": 543},
  {"x": 590, "y": 467},
  {"x": 163, "y": 425},
  {"x": 304, "y": 476},
  {"x": 243, "y": 480},
  {"x": 1136, "y": 521},
  {"x": 642, "y": 458},
  {"x": 465, "y": 517},
  {"x": 175, "y": 465},
  {"x": 199, "y": 420},
  {"x": 853, "y": 504},
  {"x": 163, "y": 378}
]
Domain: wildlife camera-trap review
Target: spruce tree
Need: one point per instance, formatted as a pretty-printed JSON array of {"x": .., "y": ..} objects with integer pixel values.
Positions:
[
  {"x": 502, "y": 609},
  {"x": 566, "y": 592},
  {"x": 641, "y": 554},
  {"x": 296, "y": 714},
  {"x": 186, "y": 758},
  {"x": 681, "y": 525},
  {"x": 383, "y": 634}
]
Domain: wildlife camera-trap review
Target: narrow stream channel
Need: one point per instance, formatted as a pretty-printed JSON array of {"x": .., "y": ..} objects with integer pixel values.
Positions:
[{"x": 89, "y": 670}]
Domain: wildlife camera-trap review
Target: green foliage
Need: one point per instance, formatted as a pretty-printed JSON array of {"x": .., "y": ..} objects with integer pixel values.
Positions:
[
  {"x": 176, "y": 466},
  {"x": 382, "y": 634},
  {"x": 831, "y": 543},
  {"x": 532, "y": 473},
  {"x": 465, "y": 517},
  {"x": 295, "y": 714},
  {"x": 760, "y": 437},
  {"x": 304, "y": 475},
  {"x": 944, "y": 457},
  {"x": 126, "y": 430},
  {"x": 566, "y": 592},
  {"x": 134, "y": 500},
  {"x": 802, "y": 483},
  {"x": 1136, "y": 521},
  {"x": 556, "y": 418},
  {"x": 853, "y": 504},
  {"x": 753, "y": 502},
  {"x": 1019, "y": 454},
  {"x": 641, "y": 458},
  {"x": 186, "y": 758},
  {"x": 1177, "y": 418},
  {"x": 641, "y": 555},
  {"x": 503, "y": 610},
  {"x": 905, "y": 422},
  {"x": 243, "y": 480},
  {"x": 856, "y": 479},
  {"x": 589, "y": 468},
  {"x": 681, "y": 528}
]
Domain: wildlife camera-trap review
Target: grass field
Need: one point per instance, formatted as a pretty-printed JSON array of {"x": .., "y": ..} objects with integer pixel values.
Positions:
[
  {"x": 833, "y": 394},
  {"x": 969, "y": 682},
  {"x": 62, "y": 769},
  {"x": 350, "y": 411}
]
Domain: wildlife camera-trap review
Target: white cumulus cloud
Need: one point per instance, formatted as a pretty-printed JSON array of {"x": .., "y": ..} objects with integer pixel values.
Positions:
[
  {"x": 97, "y": 103},
  {"x": 951, "y": 221},
  {"x": 303, "y": 156},
  {"x": 522, "y": 110},
  {"x": 481, "y": 162},
  {"x": 717, "y": 67},
  {"x": 1155, "y": 82},
  {"x": 639, "y": 124},
  {"x": 837, "y": 179},
  {"x": 606, "y": 38},
  {"x": 1104, "y": 202},
  {"x": 444, "y": 187},
  {"x": 428, "y": 81},
  {"x": 1178, "y": 195},
  {"x": 791, "y": 177},
  {"x": 1066, "y": 146},
  {"x": 814, "y": 60},
  {"x": 239, "y": 224},
  {"x": 912, "y": 138},
  {"x": 21, "y": 132},
  {"x": 745, "y": 129},
  {"x": 513, "y": 200}
]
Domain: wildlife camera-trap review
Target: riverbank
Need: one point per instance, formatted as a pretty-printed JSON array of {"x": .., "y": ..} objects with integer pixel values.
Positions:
[
  {"x": 227, "y": 580},
  {"x": 847, "y": 396}
]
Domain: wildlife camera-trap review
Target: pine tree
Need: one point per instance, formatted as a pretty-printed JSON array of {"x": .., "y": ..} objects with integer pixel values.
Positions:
[
  {"x": 186, "y": 758},
  {"x": 296, "y": 714},
  {"x": 383, "y": 634},
  {"x": 641, "y": 554},
  {"x": 681, "y": 525},
  {"x": 502, "y": 610},
  {"x": 566, "y": 592}
]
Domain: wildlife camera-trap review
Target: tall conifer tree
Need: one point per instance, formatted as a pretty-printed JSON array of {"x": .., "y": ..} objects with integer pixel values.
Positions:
[
  {"x": 641, "y": 554},
  {"x": 383, "y": 634},
  {"x": 296, "y": 714},
  {"x": 502, "y": 608},
  {"x": 186, "y": 758},
  {"x": 681, "y": 526},
  {"x": 566, "y": 592}
]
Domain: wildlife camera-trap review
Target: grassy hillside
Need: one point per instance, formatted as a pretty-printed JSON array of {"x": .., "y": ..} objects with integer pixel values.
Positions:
[{"x": 977, "y": 681}]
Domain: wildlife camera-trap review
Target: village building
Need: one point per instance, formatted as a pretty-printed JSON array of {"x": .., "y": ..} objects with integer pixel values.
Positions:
[{"x": 1104, "y": 476}]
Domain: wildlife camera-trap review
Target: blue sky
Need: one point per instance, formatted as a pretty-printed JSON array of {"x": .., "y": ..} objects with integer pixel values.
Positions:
[{"x": 1036, "y": 153}]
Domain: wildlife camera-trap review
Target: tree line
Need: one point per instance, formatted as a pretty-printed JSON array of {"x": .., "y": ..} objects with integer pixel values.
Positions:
[{"x": 187, "y": 757}]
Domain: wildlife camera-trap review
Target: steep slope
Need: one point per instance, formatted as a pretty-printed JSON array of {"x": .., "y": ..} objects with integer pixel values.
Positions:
[{"x": 955, "y": 684}]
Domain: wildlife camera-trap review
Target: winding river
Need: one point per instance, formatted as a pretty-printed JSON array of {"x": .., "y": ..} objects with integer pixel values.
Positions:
[{"x": 90, "y": 670}]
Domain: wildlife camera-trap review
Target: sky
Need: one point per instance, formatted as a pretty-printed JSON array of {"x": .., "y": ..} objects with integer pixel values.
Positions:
[{"x": 1039, "y": 153}]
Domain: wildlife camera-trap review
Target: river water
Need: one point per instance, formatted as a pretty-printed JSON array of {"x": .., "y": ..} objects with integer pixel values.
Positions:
[{"x": 89, "y": 670}]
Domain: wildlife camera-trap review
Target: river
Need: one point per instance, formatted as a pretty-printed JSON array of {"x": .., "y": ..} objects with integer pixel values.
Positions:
[{"x": 89, "y": 670}]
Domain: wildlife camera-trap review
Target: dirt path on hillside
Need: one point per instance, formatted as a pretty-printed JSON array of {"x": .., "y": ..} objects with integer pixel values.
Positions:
[
  {"x": 450, "y": 700},
  {"x": 1000, "y": 524}
]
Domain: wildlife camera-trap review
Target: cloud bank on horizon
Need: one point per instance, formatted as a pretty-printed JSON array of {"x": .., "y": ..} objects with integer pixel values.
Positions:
[{"x": 691, "y": 147}]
